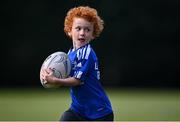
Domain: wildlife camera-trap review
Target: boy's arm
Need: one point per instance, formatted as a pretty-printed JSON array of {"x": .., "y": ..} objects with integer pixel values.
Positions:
[
  {"x": 70, "y": 81},
  {"x": 47, "y": 75}
]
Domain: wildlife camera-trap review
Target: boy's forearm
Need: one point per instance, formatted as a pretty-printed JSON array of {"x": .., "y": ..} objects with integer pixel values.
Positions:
[{"x": 70, "y": 81}]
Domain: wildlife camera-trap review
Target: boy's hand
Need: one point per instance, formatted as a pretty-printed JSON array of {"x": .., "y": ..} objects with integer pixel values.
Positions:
[{"x": 47, "y": 76}]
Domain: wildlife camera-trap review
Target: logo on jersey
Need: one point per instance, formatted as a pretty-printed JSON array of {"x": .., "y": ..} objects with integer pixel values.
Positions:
[
  {"x": 100, "y": 109},
  {"x": 79, "y": 65},
  {"x": 96, "y": 66}
]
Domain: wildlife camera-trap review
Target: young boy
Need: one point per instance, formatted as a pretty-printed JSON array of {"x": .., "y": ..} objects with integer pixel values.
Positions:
[{"x": 89, "y": 100}]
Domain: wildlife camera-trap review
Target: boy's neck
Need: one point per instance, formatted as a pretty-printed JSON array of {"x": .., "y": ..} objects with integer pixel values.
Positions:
[{"x": 75, "y": 47}]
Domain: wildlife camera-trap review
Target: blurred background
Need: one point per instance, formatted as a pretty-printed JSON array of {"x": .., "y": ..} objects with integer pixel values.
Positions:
[
  {"x": 139, "y": 45},
  {"x": 139, "y": 48}
]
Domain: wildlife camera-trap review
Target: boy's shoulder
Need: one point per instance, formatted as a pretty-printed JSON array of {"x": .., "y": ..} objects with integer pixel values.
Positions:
[{"x": 84, "y": 51}]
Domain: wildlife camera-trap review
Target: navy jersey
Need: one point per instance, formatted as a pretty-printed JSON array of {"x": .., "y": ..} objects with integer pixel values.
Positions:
[{"x": 88, "y": 99}]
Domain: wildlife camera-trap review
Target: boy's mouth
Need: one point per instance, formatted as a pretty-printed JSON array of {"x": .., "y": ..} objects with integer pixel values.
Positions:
[{"x": 81, "y": 39}]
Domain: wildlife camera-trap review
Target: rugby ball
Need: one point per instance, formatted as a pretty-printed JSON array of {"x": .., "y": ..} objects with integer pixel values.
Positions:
[{"x": 60, "y": 64}]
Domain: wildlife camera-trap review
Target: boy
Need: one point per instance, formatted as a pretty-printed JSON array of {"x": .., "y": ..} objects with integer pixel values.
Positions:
[{"x": 89, "y": 101}]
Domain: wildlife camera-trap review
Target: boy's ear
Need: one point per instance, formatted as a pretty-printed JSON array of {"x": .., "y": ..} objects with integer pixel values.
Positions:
[
  {"x": 92, "y": 38},
  {"x": 69, "y": 34}
]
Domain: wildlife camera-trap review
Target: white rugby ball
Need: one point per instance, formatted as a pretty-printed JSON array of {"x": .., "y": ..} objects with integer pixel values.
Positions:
[{"x": 60, "y": 64}]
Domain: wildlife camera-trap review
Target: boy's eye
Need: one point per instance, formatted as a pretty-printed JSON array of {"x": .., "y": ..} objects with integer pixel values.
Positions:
[
  {"x": 87, "y": 29},
  {"x": 78, "y": 28}
]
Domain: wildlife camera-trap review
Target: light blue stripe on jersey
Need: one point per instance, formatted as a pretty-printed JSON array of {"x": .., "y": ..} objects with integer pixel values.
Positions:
[{"x": 83, "y": 53}]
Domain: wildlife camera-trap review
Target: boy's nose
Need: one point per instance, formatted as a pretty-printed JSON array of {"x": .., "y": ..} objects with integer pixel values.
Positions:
[{"x": 82, "y": 32}]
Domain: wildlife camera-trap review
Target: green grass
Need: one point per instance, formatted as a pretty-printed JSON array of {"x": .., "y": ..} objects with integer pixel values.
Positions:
[{"x": 128, "y": 104}]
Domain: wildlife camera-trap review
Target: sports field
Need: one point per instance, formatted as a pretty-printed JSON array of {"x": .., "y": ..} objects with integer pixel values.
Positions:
[{"x": 129, "y": 104}]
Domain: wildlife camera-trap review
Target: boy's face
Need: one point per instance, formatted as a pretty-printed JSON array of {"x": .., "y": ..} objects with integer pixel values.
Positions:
[{"x": 81, "y": 32}]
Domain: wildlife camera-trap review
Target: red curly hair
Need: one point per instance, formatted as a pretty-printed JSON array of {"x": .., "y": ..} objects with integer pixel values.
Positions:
[{"x": 87, "y": 13}]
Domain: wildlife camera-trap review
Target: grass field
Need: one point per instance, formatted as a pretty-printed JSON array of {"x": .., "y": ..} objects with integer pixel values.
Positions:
[{"x": 128, "y": 104}]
